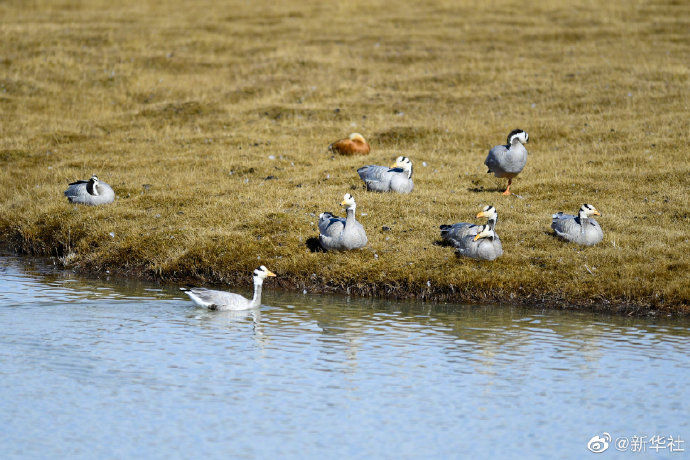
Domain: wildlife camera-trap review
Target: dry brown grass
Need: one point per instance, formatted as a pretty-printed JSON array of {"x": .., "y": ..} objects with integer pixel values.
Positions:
[{"x": 193, "y": 97}]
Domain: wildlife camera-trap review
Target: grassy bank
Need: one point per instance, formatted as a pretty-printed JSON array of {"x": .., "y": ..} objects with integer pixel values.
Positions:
[{"x": 211, "y": 122}]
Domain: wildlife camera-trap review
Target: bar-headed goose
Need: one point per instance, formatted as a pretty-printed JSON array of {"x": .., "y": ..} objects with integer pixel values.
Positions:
[
  {"x": 397, "y": 178},
  {"x": 92, "y": 192},
  {"x": 508, "y": 160},
  {"x": 222, "y": 300},
  {"x": 580, "y": 229},
  {"x": 338, "y": 234},
  {"x": 465, "y": 237}
]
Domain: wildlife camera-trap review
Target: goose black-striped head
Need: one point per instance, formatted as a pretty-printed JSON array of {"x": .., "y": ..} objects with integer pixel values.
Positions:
[
  {"x": 518, "y": 135},
  {"x": 405, "y": 164},
  {"x": 485, "y": 231},
  {"x": 348, "y": 201},
  {"x": 587, "y": 210},
  {"x": 488, "y": 212},
  {"x": 261, "y": 273}
]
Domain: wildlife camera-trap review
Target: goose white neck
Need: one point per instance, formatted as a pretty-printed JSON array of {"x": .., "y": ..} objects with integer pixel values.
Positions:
[
  {"x": 258, "y": 283},
  {"x": 91, "y": 188}
]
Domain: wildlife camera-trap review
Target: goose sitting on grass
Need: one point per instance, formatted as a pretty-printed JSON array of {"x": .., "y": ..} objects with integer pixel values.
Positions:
[
  {"x": 338, "y": 234},
  {"x": 91, "y": 192},
  {"x": 221, "y": 300},
  {"x": 580, "y": 229},
  {"x": 397, "y": 178},
  {"x": 476, "y": 241},
  {"x": 355, "y": 144},
  {"x": 508, "y": 160}
]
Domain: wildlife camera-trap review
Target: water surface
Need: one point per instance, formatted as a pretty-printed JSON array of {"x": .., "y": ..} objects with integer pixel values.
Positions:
[{"x": 105, "y": 369}]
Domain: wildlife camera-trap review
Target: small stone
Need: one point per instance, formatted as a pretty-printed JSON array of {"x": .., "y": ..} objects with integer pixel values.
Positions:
[
  {"x": 112, "y": 234},
  {"x": 424, "y": 164},
  {"x": 271, "y": 157},
  {"x": 386, "y": 228}
]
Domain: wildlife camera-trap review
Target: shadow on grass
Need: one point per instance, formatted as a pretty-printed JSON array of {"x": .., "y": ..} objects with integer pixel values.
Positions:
[
  {"x": 314, "y": 245},
  {"x": 481, "y": 189}
]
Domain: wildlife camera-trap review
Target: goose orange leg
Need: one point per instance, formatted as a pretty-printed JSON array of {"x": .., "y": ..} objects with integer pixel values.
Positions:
[{"x": 507, "y": 192}]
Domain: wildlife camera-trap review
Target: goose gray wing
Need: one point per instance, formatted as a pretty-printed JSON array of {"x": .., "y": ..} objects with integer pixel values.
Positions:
[
  {"x": 495, "y": 159},
  {"x": 565, "y": 225},
  {"x": 377, "y": 178},
  {"x": 456, "y": 232},
  {"x": 216, "y": 300},
  {"x": 330, "y": 225},
  {"x": 76, "y": 189}
]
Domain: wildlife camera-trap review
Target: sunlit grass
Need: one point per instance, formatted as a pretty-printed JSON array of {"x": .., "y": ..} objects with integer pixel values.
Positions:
[{"x": 212, "y": 122}]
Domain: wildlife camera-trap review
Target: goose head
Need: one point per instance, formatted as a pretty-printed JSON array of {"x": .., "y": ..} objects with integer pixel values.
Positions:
[
  {"x": 587, "y": 210},
  {"x": 405, "y": 164},
  {"x": 261, "y": 273},
  {"x": 348, "y": 202},
  {"x": 356, "y": 137},
  {"x": 484, "y": 232},
  {"x": 489, "y": 212},
  {"x": 518, "y": 135}
]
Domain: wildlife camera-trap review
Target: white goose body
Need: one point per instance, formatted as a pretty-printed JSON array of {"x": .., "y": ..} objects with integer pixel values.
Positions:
[
  {"x": 338, "y": 234},
  {"x": 90, "y": 192},
  {"x": 580, "y": 229},
  {"x": 223, "y": 301},
  {"x": 397, "y": 178}
]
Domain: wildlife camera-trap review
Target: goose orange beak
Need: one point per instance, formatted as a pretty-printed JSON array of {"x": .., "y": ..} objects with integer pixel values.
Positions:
[
  {"x": 596, "y": 213},
  {"x": 481, "y": 214},
  {"x": 477, "y": 236},
  {"x": 270, "y": 273}
]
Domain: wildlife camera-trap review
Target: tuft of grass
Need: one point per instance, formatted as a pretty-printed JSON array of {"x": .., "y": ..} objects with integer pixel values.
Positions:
[{"x": 211, "y": 123}]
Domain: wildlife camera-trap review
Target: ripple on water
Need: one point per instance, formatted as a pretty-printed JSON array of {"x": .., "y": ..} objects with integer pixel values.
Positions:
[{"x": 98, "y": 367}]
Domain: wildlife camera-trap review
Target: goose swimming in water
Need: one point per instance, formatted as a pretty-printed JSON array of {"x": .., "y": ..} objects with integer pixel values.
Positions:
[
  {"x": 338, "y": 234},
  {"x": 351, "y": 145},
  {"x": 508, "y": 160},
  {"x": 476, "y": 241},
  {"x": 580, "y": 229},
  {"x": 91, "y": 192},
  {"x": 397, "y": 178},
  {"x": 222, "y": 300}
]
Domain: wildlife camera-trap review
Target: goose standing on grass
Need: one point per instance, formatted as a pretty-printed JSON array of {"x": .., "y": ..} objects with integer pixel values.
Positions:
[
  {"x": 466, "y": 240},
  {"x": 397, "y": 178},
  {"x": 580, "y": 229},
  {"x": 222, "y": 300},
  {"x": 338, "y": 234},
  {"x": 351, "y": 145},
  {"x": 91, "y": 192},
  {"x": 508, "y": 160}
]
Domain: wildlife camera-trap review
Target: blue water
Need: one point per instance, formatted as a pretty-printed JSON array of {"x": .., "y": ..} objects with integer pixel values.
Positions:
[{"x": 104, "y": 369}]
